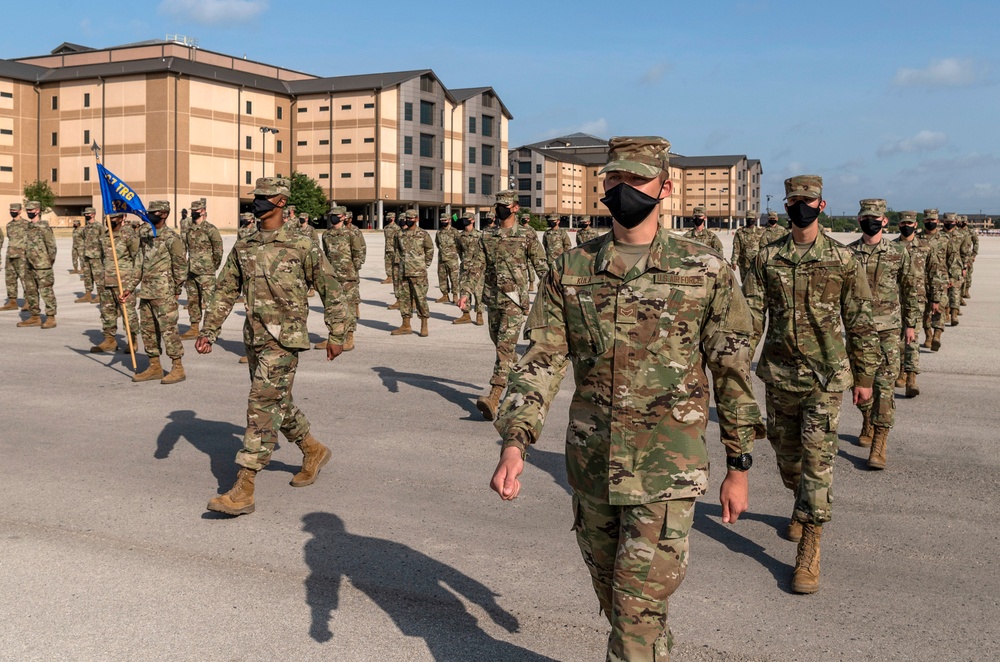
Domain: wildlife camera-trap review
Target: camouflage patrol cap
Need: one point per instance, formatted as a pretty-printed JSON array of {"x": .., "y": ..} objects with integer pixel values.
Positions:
[
  {"x": 116, "y": 214},
  {"x": 350, "y": 214},
  {"x": 390, "y": 215},
  {"x": 303, "y": 216},
  {"x": 272, "y": 186},
  {"x": 552, "y": 217},
  {"x": 32, "y": 205},
  {"x": 76, "y": 222},
  {"x": 948, "y": 216},
  {"x": 751, "y": 214},
  {"x": 158, "y": 205},
  {"x": 290, "y": 207},
  {"x": 698, "y": 211},
  {"x": 246, "y": 216},
  {"x": 411, "y": 213},
  {"x": 445, "y": 218},
  {"x": 198, "y": 204},
  {"x": 963, "y": 219},
  {"x": 646, "y": 156},
  {"x": 872, "y": 207},
  {"x": 15, "y": 206},
  {"x": 910, "y": 216},
  {"x": 585, "y": 219},
  {"x": 804, "y": 186},
  {"x": 89, "y": 210},
  {"x": 930, "y": 214},
  {"x": 506, "y": 198},
  {"x": 471, "y": 215},
  {"x": 337, "y": 210},
  {"x": 772, "y": 214}
]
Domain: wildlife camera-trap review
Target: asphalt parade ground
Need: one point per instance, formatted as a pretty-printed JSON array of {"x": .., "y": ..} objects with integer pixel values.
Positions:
[{"x": 400, "y": 551}]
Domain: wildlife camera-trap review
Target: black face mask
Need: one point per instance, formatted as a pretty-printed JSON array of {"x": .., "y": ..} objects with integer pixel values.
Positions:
[
  {"x": 503, "y": 212},
  {"x": 871, "y": 226},
  {"x": 629, "y": 206},
  {"x": 907, "y": 230},
  {"x": 930, "y": 225},
  {"x": 947, "y": 225},
  {"x": 553, "y": 224},
  {"x": 261, "y": 206},
  {"x": 32, "y": 214},
  {"x": 195, "y": 215},
  {"x": 801, "y": 214},
  {"x": 772, "y": 221},
  {"x": 409, "y": 223},
  {"x": 15, "y": 214}
]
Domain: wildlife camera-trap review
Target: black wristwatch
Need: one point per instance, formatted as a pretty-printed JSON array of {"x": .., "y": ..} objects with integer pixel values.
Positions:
[{"x": 740, "y": 462}]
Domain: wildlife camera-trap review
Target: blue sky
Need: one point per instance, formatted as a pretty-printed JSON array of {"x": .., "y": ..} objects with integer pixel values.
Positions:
[{"x": 883, "y": 99}]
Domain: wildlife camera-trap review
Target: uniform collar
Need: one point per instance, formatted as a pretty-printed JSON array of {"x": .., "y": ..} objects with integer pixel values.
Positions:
[
  {"x": 660, "y": 249},
  {"x": 814, "y": 254}
]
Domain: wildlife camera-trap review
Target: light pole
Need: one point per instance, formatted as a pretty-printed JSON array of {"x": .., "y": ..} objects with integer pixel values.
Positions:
[
  {"x": 769, "y": 203},
  {"x": 264, "y": 130}
]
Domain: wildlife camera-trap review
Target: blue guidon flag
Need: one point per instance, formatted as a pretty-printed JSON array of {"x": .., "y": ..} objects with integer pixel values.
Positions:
[{"x": 120, "y": 198}]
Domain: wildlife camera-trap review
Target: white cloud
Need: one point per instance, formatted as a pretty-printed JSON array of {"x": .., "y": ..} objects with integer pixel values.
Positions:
[
  {"x": 949, "y": 72},
  {"x": 655, "y": 73},
  {"x": 213, "y": 12},
  {"x": 598, "y": 127},
  {"x": 924, "y": 141}
]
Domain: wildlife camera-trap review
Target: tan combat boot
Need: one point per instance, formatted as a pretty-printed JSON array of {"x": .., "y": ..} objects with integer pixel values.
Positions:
[
  {"x": 83, "y": 299},
  {"x": 954, "y": 316},
  {"x": 154, "y": 371},
  {"x": 488, "y": 404},
  {"x": 901, "y": 379},
  {"x": 24, "y": 306},
  {"x": 403, "y": 329},
  {"x": 238, "y": 500},
  {"x": 912, "y": 390},
  {"x": 876, "y": 459},
  {"x": 34, "y": 320},
  {"x": 108, "y": 345},
  {"x": 794, "y": 530},
  {"x": 760, "y": 431},
  {"x": 963, "y": 301},
  {"x": 936, "y": 343},
  {"x": 176, "y": 373},
  {"x": 386, "y": 281},
  {"x": 479, "y": 319},
  {"x": 321, "y": 344},
  {"x": 349, "y": 341},
  {"x": 310, "y": 294},
  {"x": 50, "y": 322},
  {"x": 805, "y": 577},
  {"x": 442, "y": 299},
  {"x": 243, "y": 359},
  {"x": 393, "y": 306},
  {"x": 10, "y": 305},
  {"x": 929, "y": 334},
  {"x": 464, "y": 319},
  {"x": 192, "y": 333},
  {"x": 867, "y": 430},
  {"x": 314, "y": 457},
  {"x": 423, "y": 327}
]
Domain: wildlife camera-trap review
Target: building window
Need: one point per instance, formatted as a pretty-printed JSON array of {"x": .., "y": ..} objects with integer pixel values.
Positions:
[
  {"x": 472, "y": 184},
  {"x": 408, "y": 111},
  {"x": 249, "y": 142},
  {"x": 249, "y": 177},
  {"x": 55, "y": 175},
  {"x": 324, "y": 109},
  {"x": 86, "y": 99},
  {"x": 472, "y": 155},
  {"x": 345, "y": 141},
  {"x": 487, "y": 126},
  {"x": 369, "y": 105},
  {"x": 6, "y": 95},
  {"x": 426, "y": 178},
  {"x": 538, "y": 185},
  {"x": 345, "y": 175},
  {"x": 324, "y": 175},
  {"x": 86, "y": 173},
  {"x": 426, "y": 84},
  {"x": 487, "y": 158},
  {"x": 346, "y": 106},
  {"x": 524, "y": 201},
  {"x": 369, "y": 174},
  {"x": 249, "y": 107},
  {"x": 524, "y": 184},
  {"x": 55, "y": 103},
  {"x": 301, "y": 143},
  {"x": 426, "y": 145},
  {"x": 427, "y": 113},
  {"x": 472, "y": 125},
  {"x": 407, "y": 144},
  {"x": 324, "y": 142},
  {"x": 369, "y": 140},
  {"x": 538, "y": 202},
  {"x": 6, "y": 132},
  {"x": 538, "y": 168},
  {"x": 55, "y": 139},
  {"x": 407, "y": 179},
  {"x": 279, "y": 112},
  {"x": 277, "y": 146},
  {"x": 487, "y": 100},
  {"x": 302, "y": 109},
  {"x": 6, "y": 168},
  {"x": 524, "y": 167},
  {"x": 487, "y": 187},
  {"x": 86, "y": 136}
]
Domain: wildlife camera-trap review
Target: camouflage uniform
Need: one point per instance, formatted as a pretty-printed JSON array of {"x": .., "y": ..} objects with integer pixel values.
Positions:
[
  {"x": 746, "y": 243},
  {"x": 556, "y": 241},
  {"x": 204, "y": 248},
  {"x": 17, "y": 242},
  {"x": 359, "y": 253},
  {"x": 161, "y": 271},
  {"x": 414, "y": 253},
  {"x": 448, "y": 261},
  {"x": 473, "y": 271},
  {"x": 639, "y": 340},
  {"x": 307, "y": 229},
  {"x": 890, "y": 280},
  {"x": 39, "y": 256},
  {"x": 77, "y": 250},
  {"x": 127, "y": 251},
  {"x": 941, "y": 247},
  {"x": 706, "y": 237},
  {"x": 772, "y": 232},
  {"x": 525, "y": 221},
  {"x": 804, "y": 362},
  {"x": 343, "y": 251},
  {"x": 586, "y": 233},
  {"x": 960, "y": 247},
  {"x": 93, "y": 269},
  {"x": 390, "y": 231},
  {"x": 275, "y": 269},
  {"x": 930, "y": 284},
  {"x": 248, "y": 225},
  {"x": 974, "y": 238}
]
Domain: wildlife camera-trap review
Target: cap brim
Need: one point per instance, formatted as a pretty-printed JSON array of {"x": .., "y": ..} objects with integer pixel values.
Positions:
[
  {"x": 634, "y": 167},
  {"x": 804, "y": 194}
]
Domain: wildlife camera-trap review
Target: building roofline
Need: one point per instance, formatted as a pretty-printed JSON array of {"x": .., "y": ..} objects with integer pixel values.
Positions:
[{"x": 465, "y": 93}]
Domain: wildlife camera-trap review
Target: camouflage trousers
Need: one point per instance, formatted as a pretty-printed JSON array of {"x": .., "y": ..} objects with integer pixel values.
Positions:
[
  {"x": 802, "y": 429},
  {"x": 199, "y": 291},
  {"x": 475, "y": 289},
  {"x": 532, "y": 276},
  {"x": 111, "y": 310},
  {"x": 77, "y": 259},
  {"x": 93, "y": 274},
  {"x": 352, "y": 297},
  {"x": 38, "y": 285},
  {"x": 934, "y": 320},
  {"x": 13, "y": 272},
  {"x": 967, "y": 281},
  {"x": 505, "y": 323},
  {"x": 448, "y": 276},
  {"x": 159, "y": 321},
  {"x": 412, "y": 293},
  {"x": 269, "y": 406},
  {"x": 396, "y": 278},
  {"x": 883, "y": 402},
  {"x": 955, "y": 293},
  {"x": 388, "y": 264},
  {"x": 637, "y": 557}
]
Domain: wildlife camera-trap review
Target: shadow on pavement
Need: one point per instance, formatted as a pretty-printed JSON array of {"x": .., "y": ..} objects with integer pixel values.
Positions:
[
  {"x": 859, "y": 462},
  {"x": 415, "y": 590},
  {"x": 439, "y": 385},
  {"x": 781, "y": 571},
  {"x": 217, "y": 439}
]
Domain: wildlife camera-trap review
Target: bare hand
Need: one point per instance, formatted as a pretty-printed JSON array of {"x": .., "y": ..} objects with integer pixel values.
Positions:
[
  {"x": 202, "y": 345},
  {"x": 505, "y": 479},
  {"x": 333, "y": 351},
  {"x": 935, "y": 308},
  {"x": 461, "y": 303},
  {"x": 862, "y": 395},
  {"x": 910, "y": 335},
  {"x": 123, "y": 296},
  {"x": 734, "y": 495}
]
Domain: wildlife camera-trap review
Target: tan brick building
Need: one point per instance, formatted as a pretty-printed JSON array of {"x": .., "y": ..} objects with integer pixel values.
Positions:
[{"x": 179, "y": 123}]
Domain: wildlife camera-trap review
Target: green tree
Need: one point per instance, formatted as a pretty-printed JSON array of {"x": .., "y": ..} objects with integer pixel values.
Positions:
[
  {"x": 307, "y": 196},
  {"x": 42, "y": 192}
]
